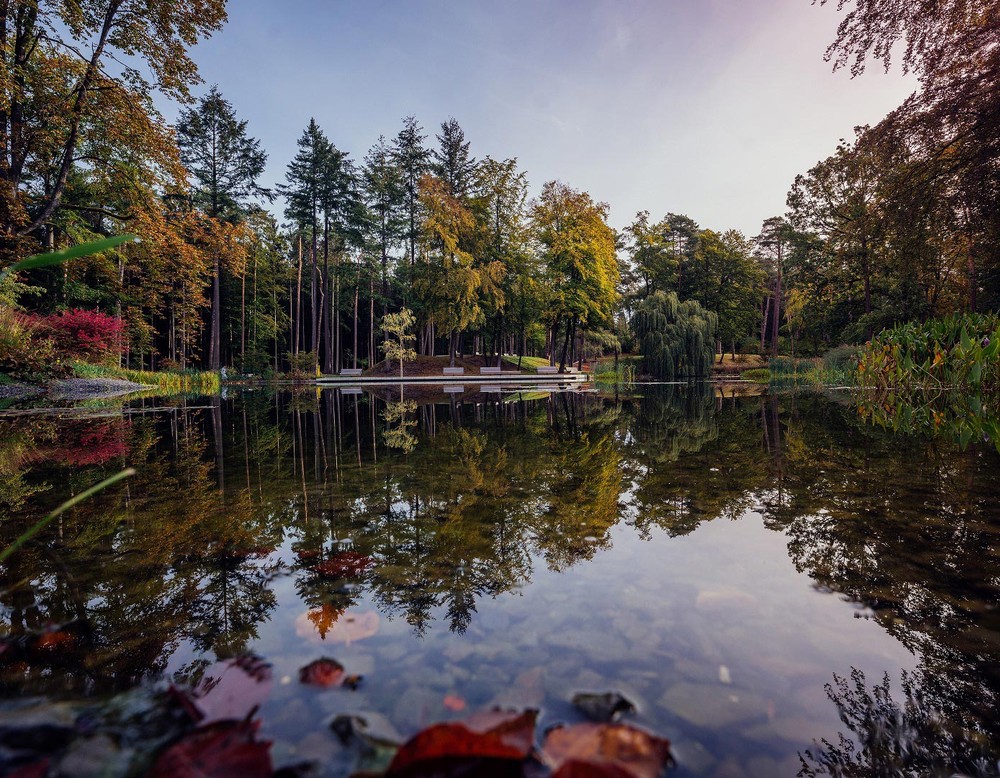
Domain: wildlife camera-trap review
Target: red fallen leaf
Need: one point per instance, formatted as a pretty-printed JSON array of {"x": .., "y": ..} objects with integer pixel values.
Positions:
[
  {"x": 605, "y": 751},
  {"x": 323, "y": 672},
  {"x": 486, "y": 735},
  {"x": 33, "y": 770},
  {"x": 346, "y": 564},
  {"x": 454, "y": 702},
  {"x": 229, "y": 690},
  {"x": 226, "y": 749}
]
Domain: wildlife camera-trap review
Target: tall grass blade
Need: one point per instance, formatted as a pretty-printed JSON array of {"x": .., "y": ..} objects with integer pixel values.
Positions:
[
  {"x": 73, "y": 252},
  {"x": 73, "y": 501}
]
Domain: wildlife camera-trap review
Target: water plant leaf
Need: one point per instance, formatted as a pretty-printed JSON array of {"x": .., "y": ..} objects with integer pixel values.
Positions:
[
  {"x": 325, "y": 673},
  {"x": 226, "y": 749},
  {"x": 592, "y": 750},
  {"x": 73, "y": 252},
  {"x": 40, "y": 525},
  {"x": 489, "y": 735}
]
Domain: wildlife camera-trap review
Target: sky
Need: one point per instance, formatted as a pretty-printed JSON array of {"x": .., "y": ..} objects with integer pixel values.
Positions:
[{"x": 703, "y": 107}]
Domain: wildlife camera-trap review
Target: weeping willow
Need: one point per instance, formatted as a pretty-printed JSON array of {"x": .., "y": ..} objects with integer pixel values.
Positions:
[{"x": 676, "y": 339}]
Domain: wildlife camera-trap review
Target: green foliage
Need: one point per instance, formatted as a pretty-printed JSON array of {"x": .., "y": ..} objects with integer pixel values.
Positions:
[
  {"x": 398, "y": 345},
  {"x": 842, "y": 358},
  {"x": 759, "y": 375},
  {"x": 676, "y": 339},
  {"x": 203, "y": 382},
  {"x": 958, "y": 352},
  {"x": 621, "y": 374},
  {"x": 302, "y": 365},
  {"x": 937, "y": 378},
  {"x": 73, "y": 252}
]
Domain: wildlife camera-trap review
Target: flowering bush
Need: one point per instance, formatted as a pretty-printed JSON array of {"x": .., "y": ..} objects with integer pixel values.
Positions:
[{"x": 89, "y": 335}]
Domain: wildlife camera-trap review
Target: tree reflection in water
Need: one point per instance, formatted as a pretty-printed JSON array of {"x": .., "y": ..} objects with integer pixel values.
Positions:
[
  {"x": 895, "y": 739},
  {"x": 429, "y": 508}
]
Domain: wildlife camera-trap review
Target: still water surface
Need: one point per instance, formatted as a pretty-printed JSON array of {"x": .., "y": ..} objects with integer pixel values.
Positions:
[{"x": 757, "y": 575}]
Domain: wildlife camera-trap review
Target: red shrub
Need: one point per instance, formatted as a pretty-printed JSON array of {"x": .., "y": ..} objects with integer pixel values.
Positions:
[{"x": 89, "y": 335}]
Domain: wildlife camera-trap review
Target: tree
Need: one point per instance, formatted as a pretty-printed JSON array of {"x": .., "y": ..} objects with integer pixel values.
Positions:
[
  {"x": 452, "y": 162},
  {"x": 398, "y": 337},
  {"x": 577, "y": 248},
  {"x": 150, "y": 37},
  {"x": 224, "y": 163},
  {"x": 772, "y": 243},
  {"x": 413, "y": 161},
  {"x": 676, "y": 339},
  {"x": 383, "y": 193}
]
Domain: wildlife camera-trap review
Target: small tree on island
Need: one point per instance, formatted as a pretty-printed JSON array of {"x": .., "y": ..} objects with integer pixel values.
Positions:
[{"x": 399, "y": 340}]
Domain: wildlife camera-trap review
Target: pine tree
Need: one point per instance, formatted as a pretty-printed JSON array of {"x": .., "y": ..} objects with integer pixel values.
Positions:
[
  {"x": 413, "y": 160},
  {"x": 452, "y": 162},
  {"x": 224, "y": 163}
]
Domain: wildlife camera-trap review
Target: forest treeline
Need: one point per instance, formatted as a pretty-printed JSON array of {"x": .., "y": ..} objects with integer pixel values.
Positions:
[{"x": 898, "y": 224}]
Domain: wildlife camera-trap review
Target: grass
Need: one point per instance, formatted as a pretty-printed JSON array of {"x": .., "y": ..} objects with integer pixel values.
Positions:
[
  {"x": 167, "y": 381},
  {"x": 530, "y": 363},
  {"x": 759, "y": 375}
]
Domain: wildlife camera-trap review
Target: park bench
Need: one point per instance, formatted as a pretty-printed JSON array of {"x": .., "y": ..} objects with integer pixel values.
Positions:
[
  {"x": 489, "y": 371},
  {"x": 546, "y": 369},
  {"x": 491, "y": 388},
  {"x": 454, "y": 371},
  {"x": 454, "y": 389},
  {"x": 351, "y": 371},
  {"x": 351, "y": 390}
]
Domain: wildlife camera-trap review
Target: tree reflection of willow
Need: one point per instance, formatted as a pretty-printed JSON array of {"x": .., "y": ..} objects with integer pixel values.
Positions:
[{"x": 889, "y": 739}]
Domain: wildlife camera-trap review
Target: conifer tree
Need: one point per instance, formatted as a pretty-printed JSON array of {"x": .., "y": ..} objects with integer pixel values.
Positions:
[{"x": 224, "y": 163}]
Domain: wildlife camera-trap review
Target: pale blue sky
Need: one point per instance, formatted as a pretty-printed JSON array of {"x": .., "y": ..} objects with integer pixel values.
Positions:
[{"x": 703, "y": 107}]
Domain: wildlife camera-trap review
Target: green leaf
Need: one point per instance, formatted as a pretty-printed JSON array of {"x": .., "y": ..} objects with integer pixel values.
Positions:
[
  {"x": 966, "y": 341},
  {"x": 40, "y": 525},
  {"x": 73, "y": 252}
]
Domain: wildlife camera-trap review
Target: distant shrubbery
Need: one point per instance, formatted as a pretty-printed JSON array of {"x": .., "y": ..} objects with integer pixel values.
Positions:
[{"x": 39, "y": 346}]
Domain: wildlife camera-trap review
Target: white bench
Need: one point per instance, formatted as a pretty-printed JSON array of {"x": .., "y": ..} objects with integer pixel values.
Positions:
[
  {"x": 571, "y": 370},
  {"x": 490, "y": 388},
  {"x": 489, "y": 371},
  {"x": 351, "y": 390},
  {"x": 547, "y": 369},
  {"x": 454, "y": 371},
  {"x": 351, "y": 371},
  {"x": 454, "y": 389}
]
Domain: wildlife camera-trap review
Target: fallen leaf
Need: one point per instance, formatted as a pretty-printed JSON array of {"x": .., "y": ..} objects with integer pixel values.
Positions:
[
  {"x": 602, "y": 707},
  {"x": 489, "y": 735},
  {"x": 347, "y": 628},
  {"x": 228, "y": 690},
  {"x": 454, "y": 702},
  {"x": 612, "y": 750},
  {"x": 33, "y": 770},
  {"x": 324, "y": 673},
  {"x": 226, "y": 749}
]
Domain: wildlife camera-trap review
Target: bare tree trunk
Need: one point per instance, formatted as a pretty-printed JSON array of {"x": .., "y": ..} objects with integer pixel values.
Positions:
[
  {"x": 297, "y": 320},
  {"x": 354, "y": 355}
]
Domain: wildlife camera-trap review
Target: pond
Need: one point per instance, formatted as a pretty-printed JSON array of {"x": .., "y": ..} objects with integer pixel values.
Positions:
[{"x": 773, "y": 585}]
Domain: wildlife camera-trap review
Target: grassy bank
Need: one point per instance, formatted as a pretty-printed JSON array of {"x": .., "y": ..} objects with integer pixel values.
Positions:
[{"x": 167, "y": 381}]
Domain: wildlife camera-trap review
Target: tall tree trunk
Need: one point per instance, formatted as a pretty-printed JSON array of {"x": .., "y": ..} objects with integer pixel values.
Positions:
[
  {"x": 354, "y": 354},
  {"x": 297, "y": 321},
  {"x": 214, "y": 333},
  {"x": 776, "y": 308}
]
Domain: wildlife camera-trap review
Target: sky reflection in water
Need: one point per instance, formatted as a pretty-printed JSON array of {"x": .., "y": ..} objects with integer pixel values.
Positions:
[{"x": 716, "y": 560}]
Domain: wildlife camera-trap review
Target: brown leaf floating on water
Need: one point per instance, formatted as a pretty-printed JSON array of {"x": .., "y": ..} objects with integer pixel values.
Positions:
[
  {"x": 483, "y": 737},
  {"x": 605, "y": 751},
  {"x": 227, "y": 749},
  {"x": 325, "y": 673}
]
